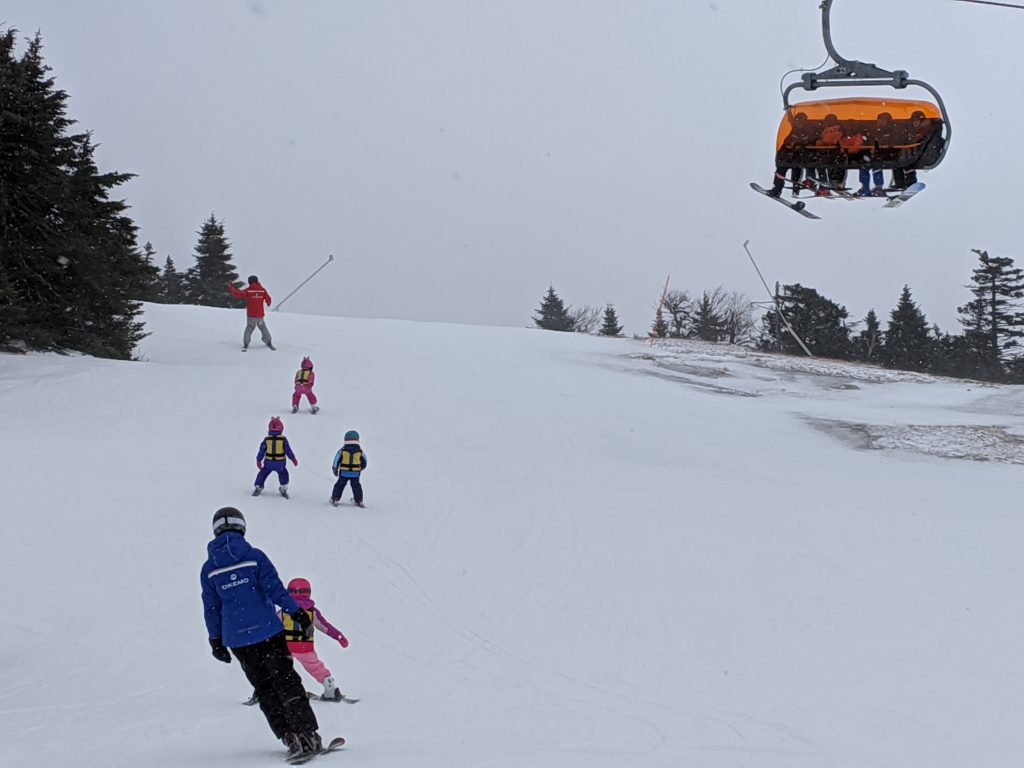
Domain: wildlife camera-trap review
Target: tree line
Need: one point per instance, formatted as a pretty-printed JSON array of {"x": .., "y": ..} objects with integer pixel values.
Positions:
[
  {"x": 716, "y": 315},
  {"x": 986, "y": 347},
  {"x": 801, "y": 320},
  {"x": 72, "y": 274}
]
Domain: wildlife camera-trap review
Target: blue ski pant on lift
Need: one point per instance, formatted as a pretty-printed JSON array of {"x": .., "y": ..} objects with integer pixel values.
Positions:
[
  {"x": 272, "y": 466},
  {"x": 867, "y": 175}
]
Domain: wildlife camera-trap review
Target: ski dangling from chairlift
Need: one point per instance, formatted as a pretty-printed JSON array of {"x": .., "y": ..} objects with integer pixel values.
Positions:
[{"x": 819, "y": 142}]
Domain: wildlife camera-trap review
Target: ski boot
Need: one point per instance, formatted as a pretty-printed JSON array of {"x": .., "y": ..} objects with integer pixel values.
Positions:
[
  {"x": 310, "y": 743},
  {"x": 295, "y": 409},
  {"x": 335, "y": 502},
  {"x": 292, "y": 744},
  {"x": 331, "y": 690},
  {"x": 878, "y": 192},
  {"x": 359, "y": 503},
  {"x": 283, "y": 490},
  {"x": 257, "y": 490},
  {"x": 315, "y": 409},
  {"x": 802, "y": 185}
]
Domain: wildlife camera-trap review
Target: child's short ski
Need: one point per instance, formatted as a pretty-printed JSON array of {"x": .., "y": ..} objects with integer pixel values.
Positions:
[
  {"x": 334, "y": 745},
  {"x": 800, "y": 206},
  {"x": 905, "y": 195},
  {"x": 338, "y": 698}
]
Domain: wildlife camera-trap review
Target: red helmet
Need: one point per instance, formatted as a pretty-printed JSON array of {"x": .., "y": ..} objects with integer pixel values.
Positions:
[
  {"x": 299, "y": 587},
  {"x": 307, "y": 364},
  {"x": 275, "y": 425}
]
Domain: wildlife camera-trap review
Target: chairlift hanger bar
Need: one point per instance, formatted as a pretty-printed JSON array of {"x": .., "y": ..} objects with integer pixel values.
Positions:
[{"x": 849, "y": 72}]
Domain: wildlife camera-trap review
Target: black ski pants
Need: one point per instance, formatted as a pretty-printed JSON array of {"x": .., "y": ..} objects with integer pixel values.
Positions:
[{"x": 282, "y": 696}]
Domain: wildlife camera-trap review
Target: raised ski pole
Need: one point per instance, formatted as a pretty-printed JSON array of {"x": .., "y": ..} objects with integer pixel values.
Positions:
[{"x": 330, "y": 258}]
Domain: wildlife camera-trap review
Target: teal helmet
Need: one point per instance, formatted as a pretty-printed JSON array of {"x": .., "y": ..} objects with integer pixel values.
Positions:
[{"x": 351, "y": 435}]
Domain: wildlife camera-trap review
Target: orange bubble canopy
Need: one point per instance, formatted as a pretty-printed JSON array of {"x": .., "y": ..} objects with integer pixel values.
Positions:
[{"x": 860, "y": 132}]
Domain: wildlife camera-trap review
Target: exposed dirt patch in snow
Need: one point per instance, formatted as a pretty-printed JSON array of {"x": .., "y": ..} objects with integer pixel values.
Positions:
[{"x": 973, "y": 442}]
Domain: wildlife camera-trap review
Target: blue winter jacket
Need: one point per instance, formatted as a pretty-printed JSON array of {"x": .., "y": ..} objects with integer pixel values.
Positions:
[{"x": 240, "y": 588}]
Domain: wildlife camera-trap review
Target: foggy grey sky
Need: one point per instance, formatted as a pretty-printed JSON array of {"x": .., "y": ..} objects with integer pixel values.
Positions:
[{"x": 457, "y": 157}]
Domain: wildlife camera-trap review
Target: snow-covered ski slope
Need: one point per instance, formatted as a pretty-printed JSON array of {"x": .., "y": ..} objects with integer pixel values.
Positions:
[{"x": 578, "y": 552}]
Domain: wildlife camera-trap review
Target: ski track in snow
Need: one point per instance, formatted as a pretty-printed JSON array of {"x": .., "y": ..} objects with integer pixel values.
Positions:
[{"x": 681, "y": 555}]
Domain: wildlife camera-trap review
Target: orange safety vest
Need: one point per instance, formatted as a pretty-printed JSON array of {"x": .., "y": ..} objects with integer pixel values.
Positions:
[{"x": 302, "y": 377}]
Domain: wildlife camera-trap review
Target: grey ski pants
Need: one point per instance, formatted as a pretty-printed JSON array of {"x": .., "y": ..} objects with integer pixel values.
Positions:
[{"x": 250, "y": 325}]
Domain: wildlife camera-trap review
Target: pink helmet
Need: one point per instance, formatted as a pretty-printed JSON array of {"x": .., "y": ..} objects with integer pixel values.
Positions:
[
  {"x": 275, "y": 425},
  {"x": 307, "y": 364},
  {"x": 299, "y": 587}
]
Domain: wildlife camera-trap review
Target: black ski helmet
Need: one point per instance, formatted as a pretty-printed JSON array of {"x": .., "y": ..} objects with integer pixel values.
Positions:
[
  {"x": 253, "y": 279},
  {"x": 228, "y": 519}
]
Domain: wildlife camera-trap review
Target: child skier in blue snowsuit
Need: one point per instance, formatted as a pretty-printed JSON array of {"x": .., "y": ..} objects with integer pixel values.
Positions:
[
  {"x": 349, "y": 462},
  {"x": 271, "y": 458}
]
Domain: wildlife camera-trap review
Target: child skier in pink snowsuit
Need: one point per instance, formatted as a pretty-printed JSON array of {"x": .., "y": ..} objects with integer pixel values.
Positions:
[
  {"x": 304, "y": 379},
  {"x": 301, "y": 643}
]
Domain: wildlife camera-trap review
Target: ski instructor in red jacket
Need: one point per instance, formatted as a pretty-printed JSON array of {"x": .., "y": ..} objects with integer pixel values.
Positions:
[{"x": 256, "y": 297}]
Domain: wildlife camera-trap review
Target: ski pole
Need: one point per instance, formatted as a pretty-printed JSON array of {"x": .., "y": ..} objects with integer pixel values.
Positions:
[{"x": 330, "y": 258}]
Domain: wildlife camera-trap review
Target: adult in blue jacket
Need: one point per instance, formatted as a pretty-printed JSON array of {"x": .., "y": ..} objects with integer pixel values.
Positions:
[{"x": 240, "y": 589}]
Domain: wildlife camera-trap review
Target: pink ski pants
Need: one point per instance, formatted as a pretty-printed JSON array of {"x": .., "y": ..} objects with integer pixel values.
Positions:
[
  {"x": 300, "y": 390},
  {"x": 312, "y": 664}
]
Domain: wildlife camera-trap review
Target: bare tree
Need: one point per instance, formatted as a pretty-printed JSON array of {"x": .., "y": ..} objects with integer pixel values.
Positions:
[
  {"x": 585, "y": 319},
  {"x": 679, "y": 307},
  {"x": 738, "y": 323}
]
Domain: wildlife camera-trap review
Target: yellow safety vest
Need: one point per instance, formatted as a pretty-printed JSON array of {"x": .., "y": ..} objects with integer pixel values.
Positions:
[
  {"x": 293, "y": 632},
  {"x": 275, "y": 449},
  {"x": 302, "y": 377},
  {"x": 351, "y": 461}
]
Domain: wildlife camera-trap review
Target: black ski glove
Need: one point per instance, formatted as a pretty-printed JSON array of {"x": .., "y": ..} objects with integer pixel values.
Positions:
[
  {"x": 220, "y": 653},
  {"x": 301, "y": 618}
]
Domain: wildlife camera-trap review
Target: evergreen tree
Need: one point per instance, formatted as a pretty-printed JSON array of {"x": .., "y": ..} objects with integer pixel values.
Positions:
[
  {"x": 952, "y": 356},
  {"x": 907, "y": 342},
  {"x": 993, "y": 321},
  {"x": 610, "y": 326},
  {"x": 870, "y": 339},
  {"x": 659, "y": 330},
  {"x": 68, "y": 252},
  {"x": 152, "y": 280},
  {"x": 206, "y": 282},
  {"x": 818, "y": 321},
  {"x": 12, "y": 312},
  {"x": 552, "y": 314},
  {"x": 708, "y": 318},
  {"x": 172, "y": 285}
]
